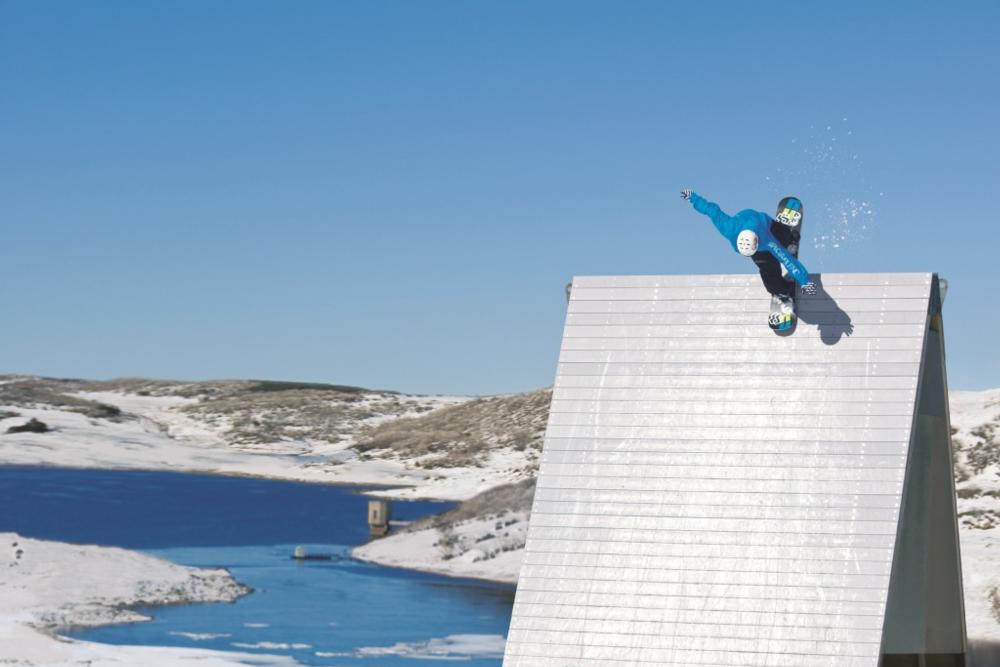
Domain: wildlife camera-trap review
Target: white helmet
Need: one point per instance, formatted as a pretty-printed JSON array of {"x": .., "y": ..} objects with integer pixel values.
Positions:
[{"x": 746, "y": 243}]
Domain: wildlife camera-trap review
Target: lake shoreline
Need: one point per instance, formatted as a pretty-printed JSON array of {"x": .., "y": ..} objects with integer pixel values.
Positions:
[
  {"x": 112, "y": 599},
  {"x": 160, "y": 433},
  {"x": 154, "y": 434},
  {"x": 373, "y": 490},
  {"x": 95, "y": 587},
  {"x": 498, "y": 581}
]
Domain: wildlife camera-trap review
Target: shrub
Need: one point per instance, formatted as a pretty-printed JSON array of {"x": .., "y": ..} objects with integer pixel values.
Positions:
[
  {"x": 981, "y": 519},
  {"x": 971, "y": 491},
  {"x": 449, "y": 544},
  {"x": 465, "y": 435},
  {"x": 276, "y": 385},
  {"x": 31, "y": 426},
  {"x": 49, "y": 394},
  {"x": 986, "y": 452},
  {"x": 515, "y": 497}
]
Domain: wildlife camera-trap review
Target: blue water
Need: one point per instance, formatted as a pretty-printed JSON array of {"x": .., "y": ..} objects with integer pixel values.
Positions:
[{"x": 333, "y": 612}]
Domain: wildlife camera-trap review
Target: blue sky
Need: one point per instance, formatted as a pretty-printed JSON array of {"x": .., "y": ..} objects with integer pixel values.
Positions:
[{"x": 393, "y": 194}]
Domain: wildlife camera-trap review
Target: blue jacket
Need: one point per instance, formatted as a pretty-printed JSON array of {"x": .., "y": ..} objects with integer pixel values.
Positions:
[{"x": 759, "y": 223}]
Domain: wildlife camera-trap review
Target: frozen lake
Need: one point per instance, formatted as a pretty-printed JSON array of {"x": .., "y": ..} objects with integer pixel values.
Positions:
[{"x": 335, "y": 612}]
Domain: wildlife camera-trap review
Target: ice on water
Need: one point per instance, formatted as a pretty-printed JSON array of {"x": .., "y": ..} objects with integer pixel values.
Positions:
[{"x": 452, "y": 647}]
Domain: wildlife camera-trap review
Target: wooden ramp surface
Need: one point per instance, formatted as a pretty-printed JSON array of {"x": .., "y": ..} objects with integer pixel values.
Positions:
[{"x": 711, "y": 493}]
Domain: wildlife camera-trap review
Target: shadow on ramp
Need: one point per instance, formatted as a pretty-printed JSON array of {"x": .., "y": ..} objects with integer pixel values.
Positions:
[{"x": 822, "y": 310}]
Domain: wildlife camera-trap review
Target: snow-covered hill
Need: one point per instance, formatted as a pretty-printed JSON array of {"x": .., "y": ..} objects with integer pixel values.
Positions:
[
  {"x": 441, "y": 447},
  {"x": 482, "y": 538},
  {"x": 975, "y": 421},
  {"x": 279, "y": 430},
  {"x": 484, "y": 451},
  {"x": 49, "y": 585}
]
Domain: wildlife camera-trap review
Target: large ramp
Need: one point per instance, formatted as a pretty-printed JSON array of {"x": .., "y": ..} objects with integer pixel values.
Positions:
[{"x": 713, "y": 494}]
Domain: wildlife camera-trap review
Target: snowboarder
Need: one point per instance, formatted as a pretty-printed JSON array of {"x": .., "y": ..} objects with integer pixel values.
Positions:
[{"x": 770, "y": 243}]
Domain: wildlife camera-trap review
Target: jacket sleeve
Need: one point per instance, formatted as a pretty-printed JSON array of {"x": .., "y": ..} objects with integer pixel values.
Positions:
[
  {"x": 795, "y": 268},
  {"x": 724, "y": 223}
]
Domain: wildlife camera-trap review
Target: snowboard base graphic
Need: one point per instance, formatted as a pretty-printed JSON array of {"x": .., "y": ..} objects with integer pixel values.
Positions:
[{"x": 782, "y": 317}]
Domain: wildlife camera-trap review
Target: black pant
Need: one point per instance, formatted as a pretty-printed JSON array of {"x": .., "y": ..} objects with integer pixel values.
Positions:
[{"x": 770, "y": 267}]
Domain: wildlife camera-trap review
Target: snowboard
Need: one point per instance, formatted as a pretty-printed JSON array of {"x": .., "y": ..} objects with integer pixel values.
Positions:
[{"x": 782, "y": 318}]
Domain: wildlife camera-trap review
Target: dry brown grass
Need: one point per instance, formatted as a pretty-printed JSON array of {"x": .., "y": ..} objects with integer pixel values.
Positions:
[
  {"x": 495, "y": 502},
  {"x": 251, "y": 412},
  {"x": 981, "y": 519},
  {"x": 971, "y": 491},
  {"x": 463, "y": 435},
  {"x": 961, "y": 471},
  {"x": 291, "y": 414},
  {"x": 506, "y": 505},
  {"x": 141, "y": 386},
  {"x": 260, "y": 412},
  {"x": 46, "y": 393},
  {"x": 985, "y": 450}
]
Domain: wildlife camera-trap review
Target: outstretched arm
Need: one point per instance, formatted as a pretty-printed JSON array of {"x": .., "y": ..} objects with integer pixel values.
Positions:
[{"x": 724, "y": 223}]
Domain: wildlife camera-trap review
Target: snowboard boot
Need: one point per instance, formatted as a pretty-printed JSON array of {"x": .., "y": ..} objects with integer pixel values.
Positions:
[{"x": 787, "y": 304}]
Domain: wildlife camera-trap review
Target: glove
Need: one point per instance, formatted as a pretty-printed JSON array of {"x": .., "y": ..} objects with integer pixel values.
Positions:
[{"x": 685, "y": 195}]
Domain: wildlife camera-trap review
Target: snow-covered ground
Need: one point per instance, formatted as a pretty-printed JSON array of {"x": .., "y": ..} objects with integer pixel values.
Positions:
[
  {"x": 166, "y": 438},
  {"x": 975, "y": 419},
  {"x": 45, "y": 586},
  {"x": 487, "y": 544},
  {"x": 981, "y": 583},
  {"x": 453, "y": 647},
  {"x": 485, "y": 548}
]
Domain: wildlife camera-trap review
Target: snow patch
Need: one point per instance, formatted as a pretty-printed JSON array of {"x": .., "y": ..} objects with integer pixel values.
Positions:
[
  {"x": 452, "y": 647},
  {"x": 490, "y": 547},
  {"x": 201, "y": 636},
  {"x": 49, "y": 585}
]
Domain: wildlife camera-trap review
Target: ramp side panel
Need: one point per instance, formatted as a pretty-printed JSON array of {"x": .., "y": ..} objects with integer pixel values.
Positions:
[{"x": 713, "y": 494}]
